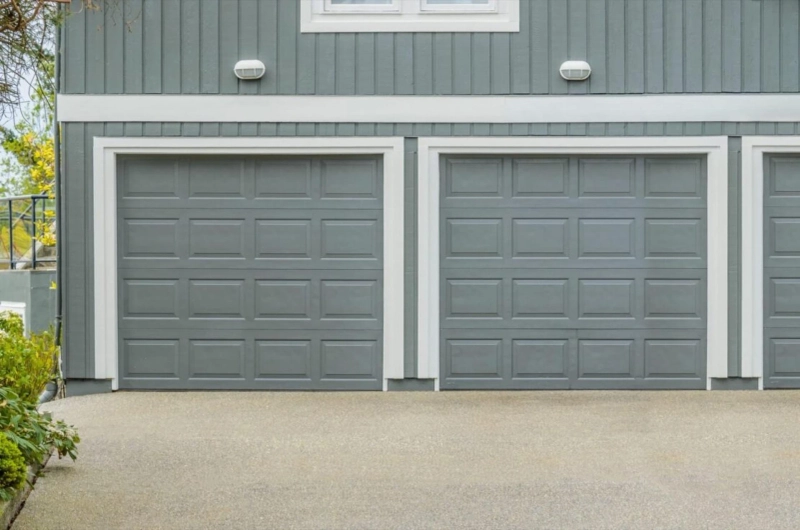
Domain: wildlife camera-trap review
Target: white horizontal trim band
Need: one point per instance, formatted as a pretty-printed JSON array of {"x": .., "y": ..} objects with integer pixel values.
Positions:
[{"x": 431, "y": 109}]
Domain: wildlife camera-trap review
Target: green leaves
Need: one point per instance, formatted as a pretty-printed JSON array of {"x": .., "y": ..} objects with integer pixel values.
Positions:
[
  {"x": 12, "y": 324},
  {"x": 13, "y": 470},
  {"x": 35, "y": 433},
  {"x": 27, "y": 364}
]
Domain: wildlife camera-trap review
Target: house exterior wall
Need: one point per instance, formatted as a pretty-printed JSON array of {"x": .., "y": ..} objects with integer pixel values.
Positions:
[
  {"x": 633, "y": 46},
  {"x": 78, "y": 197}
]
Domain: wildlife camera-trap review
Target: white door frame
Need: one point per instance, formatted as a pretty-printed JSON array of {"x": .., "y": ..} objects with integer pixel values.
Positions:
[
  {"x": 430, "y": 149},
  {"x": 106, "y": 150},
  {"x": 753, "y": 150}
]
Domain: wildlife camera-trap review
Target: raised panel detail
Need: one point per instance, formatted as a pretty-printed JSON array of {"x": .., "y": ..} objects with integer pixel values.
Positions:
[
  {"x": 540, "y": 178},
  {"x": 784, "y": 177},
  {"x": 540, "y": 298},
  {"x": 579, "y": 271},
  {"x": 540, "y": 358},
  {"x": 672, "y": 298},
  {"x": 669, "y": 178},
  {"x": 349, "y": 299},
  {"x": 606, "y": 178},
  {"x": 673, "y": 238},
  {"x": 283, "y": 179},
  {"x": 671, "y": 358},
  {"x": 475, "y": 358},
  {"x": 474, "y": 298},
  {"x": 283, "y": 359},
  {"x": 785, "y": 237},
  {"x": 349, "y": 359},
  {"x": 606, "y": 238},
  {"x": 150, "y": 298},
  {"x": 349, "y": 179},
  {"x": 283, "y": 299},
  {"x": 477, "y": 238},
  {"x": 606, "y": 298},
  {"x": 216, "y": 359},
  {"x": 279, "y": 239},
  {"x": 474, "y": 178},
  {"x": 216, "y": 238},
  {"x": 151, "y": 358},
  {"x": 211, "y": 178},
  {"x": 605, "y": 358},
  {"x": 149, "y": 178},
  {"x": 350, "y": 239},
  {"x": 250, "y": 271},
  {"x": 540, "y": 238},
  {"x": 216, "y": 298},
  {"x": 785, "y": 357},
  {"x": 785, "y": 297},
  {"x": 150, "y": 238}
]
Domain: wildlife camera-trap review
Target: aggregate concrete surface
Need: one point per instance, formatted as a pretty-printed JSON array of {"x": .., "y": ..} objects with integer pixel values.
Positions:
[{"x": 477, "y": 460}]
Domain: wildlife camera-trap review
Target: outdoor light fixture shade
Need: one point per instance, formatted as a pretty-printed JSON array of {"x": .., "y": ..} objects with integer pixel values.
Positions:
[
  {"x": 250, "y": 69},
  {"x": 575, "y": 70}
]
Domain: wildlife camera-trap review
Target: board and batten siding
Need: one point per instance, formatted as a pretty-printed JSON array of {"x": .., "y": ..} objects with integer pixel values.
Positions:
[
  {"x": 78, "y": 222},
  {"x": 633, "y": 46}
]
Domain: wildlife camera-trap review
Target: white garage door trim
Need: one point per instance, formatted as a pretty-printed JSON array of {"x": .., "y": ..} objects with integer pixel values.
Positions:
[
  {"x": 106, "y": 151},
  {"x": 715, "y": 147},
  {"x": 753, "y": 150}
]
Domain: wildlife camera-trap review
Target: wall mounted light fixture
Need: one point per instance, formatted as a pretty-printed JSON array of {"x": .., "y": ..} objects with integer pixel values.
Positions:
[
  {"x": 249, "y": 69},
  {"x": 575, "y": 70}
]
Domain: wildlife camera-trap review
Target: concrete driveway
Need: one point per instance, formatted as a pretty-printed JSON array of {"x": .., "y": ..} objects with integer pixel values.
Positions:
[{"x": 423, "y": 460}]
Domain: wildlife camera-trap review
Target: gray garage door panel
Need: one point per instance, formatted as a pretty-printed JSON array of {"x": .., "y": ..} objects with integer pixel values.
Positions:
[
  {"x": 573, "y": 272},
  {"x": 282, "y": 183},
  {"x": 275, "y": 239},
  {"x": 569, "y": 358},
  {"x": 575, "y": 298},
  {"x": 587, "y": 237},
  {"x": 250, "y": 273},
  {"x": 234, "y": 299},
  {"x": 251, "y": 359},
  {"x": 782, "y": 271}
]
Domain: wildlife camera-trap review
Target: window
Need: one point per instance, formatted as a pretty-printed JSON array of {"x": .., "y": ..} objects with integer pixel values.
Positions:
[
  {"x": 320, "y": 16},
  {"x": 361, "y": 6},
  {"x": 459, "y": 5}
]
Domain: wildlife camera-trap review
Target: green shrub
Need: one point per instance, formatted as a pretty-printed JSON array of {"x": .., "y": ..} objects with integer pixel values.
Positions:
[
  {"x": 11, "y": 324},
  {"x": 13, "y": 470},
  {"x": 35, "y": 433},
  {"x": 26, "y": 363}
]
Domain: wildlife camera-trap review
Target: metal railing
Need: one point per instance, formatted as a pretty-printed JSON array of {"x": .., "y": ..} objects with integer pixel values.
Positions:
[{"x": 23, "y": 219}]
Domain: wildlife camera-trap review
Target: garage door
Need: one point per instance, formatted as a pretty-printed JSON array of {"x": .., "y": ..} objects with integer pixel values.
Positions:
[
  {"x": 573, "y": 272},
  {"x": 782, "y": 271},
  {"x": 250, "y": 272}
]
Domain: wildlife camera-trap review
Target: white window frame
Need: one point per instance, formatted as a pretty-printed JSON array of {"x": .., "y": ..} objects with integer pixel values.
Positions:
[
  {"x": 491, "y": 7},
  {"x": 106, "y": 151},
  {"x": 430, "y": 149},
  {"x": 753, "y": 150},
  {"x": 321, "y": 16},
  {"x": 331, "y": 8}
]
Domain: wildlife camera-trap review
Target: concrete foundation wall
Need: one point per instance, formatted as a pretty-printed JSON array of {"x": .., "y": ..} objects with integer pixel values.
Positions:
[{"x": 32, "y": 288}]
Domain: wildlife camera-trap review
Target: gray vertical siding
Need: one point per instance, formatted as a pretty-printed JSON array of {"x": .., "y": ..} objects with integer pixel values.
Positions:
[
  {"x": 77, "y": 193},
  {"x": 410, "y": 253},
  {"x": 634, "y": 46},
  {"x": 734, "y": 254}
]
